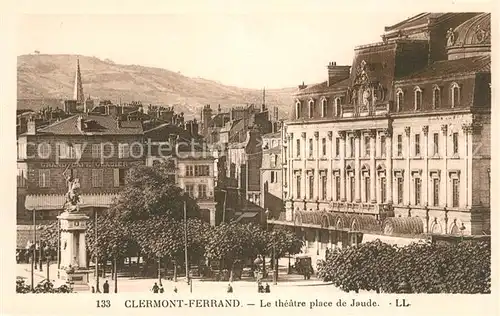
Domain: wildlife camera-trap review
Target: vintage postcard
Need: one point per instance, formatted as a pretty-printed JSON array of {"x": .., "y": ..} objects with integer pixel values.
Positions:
[{"x": 249, "y": 158}]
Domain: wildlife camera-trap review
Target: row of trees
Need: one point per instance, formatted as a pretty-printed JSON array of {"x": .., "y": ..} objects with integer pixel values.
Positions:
[
  {"x": 418, "y": 268},
  {"x": 148, "y": 221}
]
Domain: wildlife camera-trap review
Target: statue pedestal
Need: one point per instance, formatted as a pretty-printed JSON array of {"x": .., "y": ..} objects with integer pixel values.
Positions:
[{"x": 73, "y": 248}]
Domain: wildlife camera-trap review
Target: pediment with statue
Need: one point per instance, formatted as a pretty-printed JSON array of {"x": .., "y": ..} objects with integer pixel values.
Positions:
[{"x": 366, "y": 90}]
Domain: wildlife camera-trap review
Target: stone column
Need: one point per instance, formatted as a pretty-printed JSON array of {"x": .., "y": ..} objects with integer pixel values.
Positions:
[
  {"x": 446, "y": 176},
  {"x": 317, "y": 241},
  {"x": 372, "y": 188},
  {"x": 304, "y": 172},
  {"x": 357, "y": 153},
  {"x": 465, "y": 167},
  {"x": 425, "y": 182},
  {"x": 330, "y": 181},
  {"x": 407, "y": 172},
  {"x": 316, "y": 172},
  {"x": 82, "y": 260},
  {"x": 342, "y": 135},
  {"x": 388, "y": 161},
  {"x": 475, "y": 131}
]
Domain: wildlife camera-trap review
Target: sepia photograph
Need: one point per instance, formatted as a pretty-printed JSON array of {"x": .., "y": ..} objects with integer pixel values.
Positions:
[{"x": 234, "y": 155}]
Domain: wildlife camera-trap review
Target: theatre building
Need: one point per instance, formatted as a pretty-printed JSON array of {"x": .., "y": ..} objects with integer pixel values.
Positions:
[
  {"x": 397, "y": 145},
  {"x": 96, "y": 149}
]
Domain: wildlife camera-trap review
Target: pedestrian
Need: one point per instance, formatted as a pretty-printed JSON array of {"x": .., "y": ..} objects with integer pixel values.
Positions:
[
  {"x": 260, "y": 288},
  {"x": 105, "y": 287},
  {"x": 155, "y": 288},
  {"x": 161, "y": 289},
  {"x": 93, "y": 289},
  {"x": 268, "y": 288},
  {"x": 229, "y": 288},
  {"x": 175, "y": 289}
]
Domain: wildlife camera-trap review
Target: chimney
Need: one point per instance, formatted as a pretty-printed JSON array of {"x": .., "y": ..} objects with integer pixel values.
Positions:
[
  {"x": 337, "y": 73},
  {"x": 31, "y": 127},
  {"x": 302, "y": 86},
  {"x": 79, "y": 124},
  {"x": 276, "y": 113},
  {"x": 218, "y": 108}
]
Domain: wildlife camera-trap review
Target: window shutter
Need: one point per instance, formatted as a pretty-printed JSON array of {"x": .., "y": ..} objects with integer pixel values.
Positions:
[{"x": 116, "y": 177}]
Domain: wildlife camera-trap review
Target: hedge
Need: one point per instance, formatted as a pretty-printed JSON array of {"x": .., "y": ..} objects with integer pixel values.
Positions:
[{"x": 464, "y": 267}]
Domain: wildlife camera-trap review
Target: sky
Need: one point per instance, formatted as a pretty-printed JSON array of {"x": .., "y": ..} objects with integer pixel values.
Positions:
[{"x": 252, "y": 50}]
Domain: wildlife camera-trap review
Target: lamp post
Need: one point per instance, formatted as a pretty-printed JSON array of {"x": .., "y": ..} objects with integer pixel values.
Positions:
[
  {"x": 186, "y": 244},
  {"x": 275, "y": 261}
]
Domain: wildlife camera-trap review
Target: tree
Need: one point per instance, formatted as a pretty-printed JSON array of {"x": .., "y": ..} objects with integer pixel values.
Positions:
[{"x": 151, "y": 191}]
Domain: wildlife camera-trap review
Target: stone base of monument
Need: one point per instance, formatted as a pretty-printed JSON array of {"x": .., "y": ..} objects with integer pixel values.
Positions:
[{"x": 77, "y": 279}]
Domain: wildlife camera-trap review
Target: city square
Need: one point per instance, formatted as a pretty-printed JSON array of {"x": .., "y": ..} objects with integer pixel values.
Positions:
[{"x": 375, "y": 180}]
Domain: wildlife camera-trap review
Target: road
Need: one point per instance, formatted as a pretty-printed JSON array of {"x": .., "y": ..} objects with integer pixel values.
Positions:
[{"x": 286, "y": 283}]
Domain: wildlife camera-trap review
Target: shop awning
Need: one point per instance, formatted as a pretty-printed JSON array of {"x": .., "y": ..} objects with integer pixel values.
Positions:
[{"x": 56, "y": 201}]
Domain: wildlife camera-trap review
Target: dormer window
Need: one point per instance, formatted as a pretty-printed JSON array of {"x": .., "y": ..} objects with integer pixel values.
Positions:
[
  {"x": 399, "y": 99},
  {"x": 297, "y": 110},
  {"x": 455, "y": 95},
  {"x": 418, "y": 98},
  {"x": 311, "y": 108},
  {"x": 324, "y": 107},
  {"x": 436, "y": 97},
  {"x": 338, "y": 108}
]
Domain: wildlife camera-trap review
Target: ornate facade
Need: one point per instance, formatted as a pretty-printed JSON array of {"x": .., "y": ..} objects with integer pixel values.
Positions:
[{"x": 399, "y": 143}]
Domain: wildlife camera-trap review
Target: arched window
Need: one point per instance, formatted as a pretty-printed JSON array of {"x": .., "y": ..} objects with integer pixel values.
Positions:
[
  {"x": 338, "y": 108},
  {"x": 311, "y": 108},
  {"x": 297, "y": 109},
  {"x": 455, "y": 95},
  {"x": 399, "y": 99},
  {"x": 324, "y": 107},
  {"x": 418, "y": 98},
  {"x": 436, "y": 97}
]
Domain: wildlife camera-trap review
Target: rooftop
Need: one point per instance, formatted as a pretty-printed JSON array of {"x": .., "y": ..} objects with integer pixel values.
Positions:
[{"x": 97, "y": 125}]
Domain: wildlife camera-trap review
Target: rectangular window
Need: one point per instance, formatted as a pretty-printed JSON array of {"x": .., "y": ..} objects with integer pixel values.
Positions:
[
  {"x": 190, "y": 171},
  {"x": 323, "y": 145},
  {"x": 74, "y": 151},
  {"x": 310, "y": 147},
  {"x": 367, "y": 189},
  {"x": 435, "y": 187},
  {"x": 298, "y": 147},
  {"x": 417, "y": 144},
  {"x": 285, "y": 182},
  {"x": 383, "y": 190},
  {"x": 323, "y": 187},
  {"x": 123, "y": 151},
  {"x": 352, "y": 145},
  {"x": 400, "y": 182},
  {"x": 190, "y": 190},
  {"x": 455, "y": 191},
  {"x": 367, "y": 146},
  {"x": 337, "y": 147},
  {"x": 299, "y": 183},
  {"x": 272, "y": 177},
  {"x": 382, "y": 146},
  {"x": 62, "y": 151},
  {"x": 311, "y": 187},
  {"x": 96, "y": 151},
  {"x": 400, "y": 145},
  {"x": 21, "y": 180},
  {"x": 97, "y": 178},
  {"x": 44, "y": 150},
  {"x": 44, "y": 178},
  {"x": 418, "y": 187},
  {"x": 337, "y": 188},
  {"x": 353, "y": 189},
  {"x": 201, "y": 170},
  {"x": 436, "y": 144},
  {"x": 202, "y": 191},
  {"x": 455, "y": 143}
]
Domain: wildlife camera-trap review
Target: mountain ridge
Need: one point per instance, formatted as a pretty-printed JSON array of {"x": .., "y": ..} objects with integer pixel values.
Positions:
[{"x": 50, "y": 77}]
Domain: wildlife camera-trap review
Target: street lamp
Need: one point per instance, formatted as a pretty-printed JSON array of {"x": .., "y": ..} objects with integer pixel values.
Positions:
[{"x": 275, "y": 261}]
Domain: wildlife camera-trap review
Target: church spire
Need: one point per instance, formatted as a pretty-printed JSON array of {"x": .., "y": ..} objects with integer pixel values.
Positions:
[{"x": 78, "y": 91}]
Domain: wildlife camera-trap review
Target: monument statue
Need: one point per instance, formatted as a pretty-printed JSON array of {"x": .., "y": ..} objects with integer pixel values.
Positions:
[{"x": 73, "y": 196}]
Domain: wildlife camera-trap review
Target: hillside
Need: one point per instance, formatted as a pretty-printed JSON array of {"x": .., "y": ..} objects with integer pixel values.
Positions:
[{"x": 51, "y": 77}]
